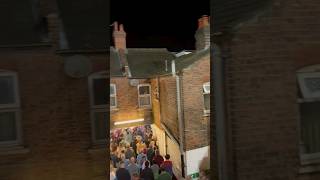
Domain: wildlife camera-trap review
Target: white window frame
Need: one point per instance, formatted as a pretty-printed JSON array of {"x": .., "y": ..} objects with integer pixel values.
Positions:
[
  {"x": 205, "y": 91},
  {"x": 96, "y": 108},
  {"x": 307, "y": 96},
  {"x": 145, "y": 95},
  {"x": 13, "y": 107},
  {"x": 114, "y": 95},
  {"x": 304, "y": 90}
]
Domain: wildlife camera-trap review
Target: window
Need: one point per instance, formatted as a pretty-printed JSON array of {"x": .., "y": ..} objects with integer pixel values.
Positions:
[
  {"x": 309, "y": 103},
  {"x": 98, "y": 104},
  {"x": 144, "y": 95},
  {"x": 113, "y": 96},
  {"x": 10, "y": 133},
  {"x": 206, "y": 97}
]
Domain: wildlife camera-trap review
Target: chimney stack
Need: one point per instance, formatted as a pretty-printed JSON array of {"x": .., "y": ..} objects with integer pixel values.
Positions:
[
  {"x": 119, "y": 36},
  {"x": 203, "y": 33}
]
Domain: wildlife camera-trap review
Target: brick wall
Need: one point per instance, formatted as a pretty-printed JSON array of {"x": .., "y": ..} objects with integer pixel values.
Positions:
[
  {"x": 196, "y": 124},
  {"x": 168, "y": 104},
  {"x": 261, "y": 89},
  {"x": 127, "y": 101},
  {"x": 55, "y": 119}
]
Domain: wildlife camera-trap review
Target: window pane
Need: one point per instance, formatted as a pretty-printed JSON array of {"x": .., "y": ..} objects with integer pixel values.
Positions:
[
  {"x": 144, "y": 101},
  {"x": 100, "y": 88},
  {"x": 112, "y": 91},
  {"x": 144, "y": 90},
  {"x": 100, "y": 125},
  {"x": 7, "y": 90},
  {"x": 206, "y": 101},
  {"x": 8, "y": 131},
  {"x": 112, "y": 101},
  {"x": 313, "y": 84},
  {"x": 310, "y": 126}
]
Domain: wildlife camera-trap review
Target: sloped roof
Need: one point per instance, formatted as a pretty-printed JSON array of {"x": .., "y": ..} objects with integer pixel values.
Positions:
[
  {"x": 145, "y": 63},
  {"x": 115, "y": 66},
  {"x": 85, "y": 23},
  {"x": 18, "y": 26},
  {"x": 185, "y": 61},
  {"x": 227, "y": 14}
]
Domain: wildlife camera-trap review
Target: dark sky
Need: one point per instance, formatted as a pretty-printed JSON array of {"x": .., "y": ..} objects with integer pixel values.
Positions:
[{"x": 162, "y": 23}]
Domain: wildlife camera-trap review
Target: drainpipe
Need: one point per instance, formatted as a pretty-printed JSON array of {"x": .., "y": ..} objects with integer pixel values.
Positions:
[
  {"x": 180, "y": 118},
  {"x": 219, "y": 101}
]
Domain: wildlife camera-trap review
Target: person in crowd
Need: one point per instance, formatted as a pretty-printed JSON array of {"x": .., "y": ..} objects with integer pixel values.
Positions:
[
  {"x": 164, "y": 175},
  {"x": 128, "y": 137},
  {"x": 135, "y": 177},
  {"x": 129, "y": 152},
  {"x": 142, "y": 162},
  {"x": 167, "y": 164},
  {"x": 146, "y": 173},
  {"x": 114, "y": 158},
  {"x": 133, "y": 168},
  {"x": 140, "y": 157},
  {"x": 150, "y": 151},
  {"x": 158, "y": 158},
  {"x": 112, "y": 172},
  {"x": 140, "y": 144},
  {"x": 155, "y": 169},
  {"x": 122, "y": 173}
]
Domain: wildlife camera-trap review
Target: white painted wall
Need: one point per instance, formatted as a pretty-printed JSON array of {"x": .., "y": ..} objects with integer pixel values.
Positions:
[{"x": 194, "y": 157}]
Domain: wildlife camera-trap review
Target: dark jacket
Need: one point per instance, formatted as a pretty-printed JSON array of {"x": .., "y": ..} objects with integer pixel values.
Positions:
[
  {"x": 123, "y": 174},
  {"x": 147, "y": 174}
]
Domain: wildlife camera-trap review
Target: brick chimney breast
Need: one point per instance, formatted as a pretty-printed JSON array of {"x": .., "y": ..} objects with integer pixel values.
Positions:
[
  {"x": 202, "y": 35},
  {"x": 119, "y": 36}
]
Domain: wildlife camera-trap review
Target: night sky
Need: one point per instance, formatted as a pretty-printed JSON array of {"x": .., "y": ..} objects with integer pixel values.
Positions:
[{"x": 167, "y": 24}]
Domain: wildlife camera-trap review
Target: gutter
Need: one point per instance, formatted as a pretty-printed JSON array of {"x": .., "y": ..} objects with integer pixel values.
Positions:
[
  {"x": 220, "y": 116},
  {"x": 180, "y": 117}
]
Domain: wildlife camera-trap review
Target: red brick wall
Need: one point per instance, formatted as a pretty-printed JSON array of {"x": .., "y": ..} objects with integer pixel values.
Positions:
[
  {"x": 168, "y": 104},
  {"x": 261, "y": 90},
  {"x": 196, "y": 124},
  {"x": 127, "y": 100},
  {"x": 55, "y": 119}
]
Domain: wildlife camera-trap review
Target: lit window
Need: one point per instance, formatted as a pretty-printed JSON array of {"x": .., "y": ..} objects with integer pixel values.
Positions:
[
  {"x": 98, "y": 87},
  {"x": 10, "y": 132},
  {"x": 144, "y": 95},
  {"x": 206, "y": 97},
  {"x": 113, "y": 96}
]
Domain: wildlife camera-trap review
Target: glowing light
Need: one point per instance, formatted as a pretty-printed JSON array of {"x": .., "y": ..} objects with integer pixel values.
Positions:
[{"x": 129, "y": 121}]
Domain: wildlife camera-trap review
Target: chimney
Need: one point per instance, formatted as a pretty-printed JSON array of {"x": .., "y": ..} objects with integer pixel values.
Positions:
[
  {"x": 203, "y": 33},
  {"x": 56, "y": 32},
  {"x": 119, "y": 36}
]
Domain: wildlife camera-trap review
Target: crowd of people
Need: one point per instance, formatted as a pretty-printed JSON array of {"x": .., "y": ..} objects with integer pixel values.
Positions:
[{"x": 135, "y": 156}]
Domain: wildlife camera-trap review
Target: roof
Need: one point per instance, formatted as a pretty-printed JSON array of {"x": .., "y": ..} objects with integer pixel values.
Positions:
[
  {"x": 115, "y": 66},
  {"x": 144, "y": 63},
  {"x": 185, "y": 61},
  {"x": 228, "y": 14},
  {"x": 85, "y": 23},
  {"x": 18, "y": 23}
]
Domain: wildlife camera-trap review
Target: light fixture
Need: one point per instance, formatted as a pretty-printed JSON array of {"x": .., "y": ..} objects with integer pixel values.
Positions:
[{"x": 129, "y": 121}]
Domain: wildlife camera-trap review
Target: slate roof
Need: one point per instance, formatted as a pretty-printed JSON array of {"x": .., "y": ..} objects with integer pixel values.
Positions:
[
  {"x": 144, "y": 63},
  {"x": 115, "y": 66},
  {"x": 185, "y": 61},
  {"x": 18, "y": 24},
  {"x": 227, "y": 14}
]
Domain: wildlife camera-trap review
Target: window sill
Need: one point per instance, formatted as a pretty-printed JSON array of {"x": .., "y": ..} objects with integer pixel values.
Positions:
[
  {"x": 9, "y": 150},
  {"x": 309, "y": 163},
  {"x": 206, "y": 114},
  {"x": 114, "y": 109}
]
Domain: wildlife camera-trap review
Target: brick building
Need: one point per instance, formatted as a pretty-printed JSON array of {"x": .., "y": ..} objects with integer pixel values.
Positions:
[
  {"x": 267, "y": 82},
  {"x": 53, "y": 101},
  {"x": 179, "y": 91}
]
